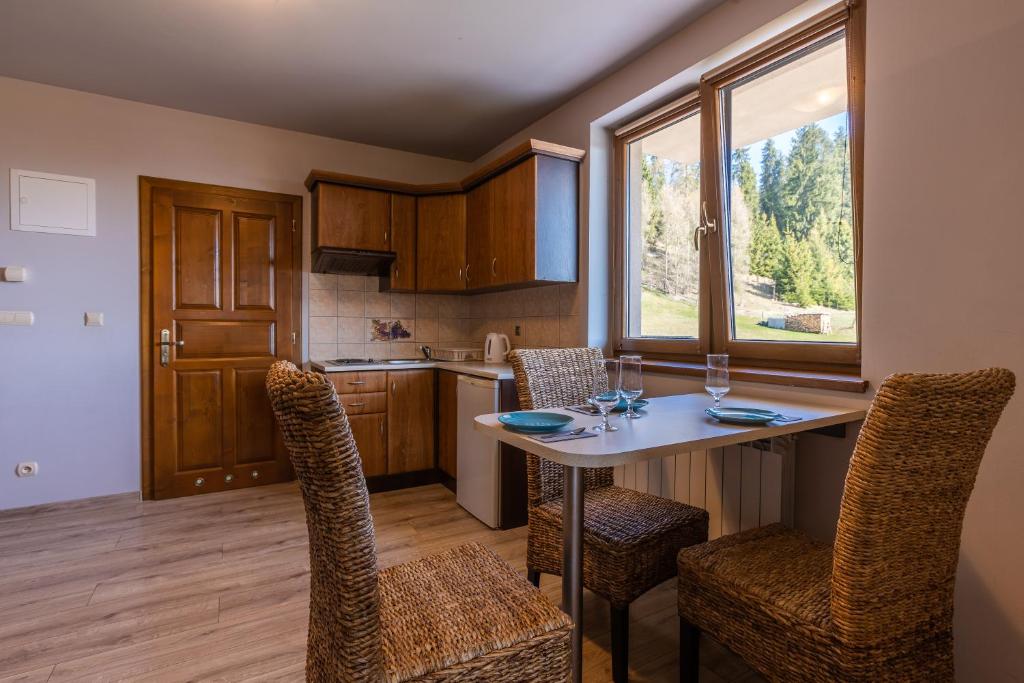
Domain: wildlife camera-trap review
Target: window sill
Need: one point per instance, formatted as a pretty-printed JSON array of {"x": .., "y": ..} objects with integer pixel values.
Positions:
[{"x": 833, "y": 381}]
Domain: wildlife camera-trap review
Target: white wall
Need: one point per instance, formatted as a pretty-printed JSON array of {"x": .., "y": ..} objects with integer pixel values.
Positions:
[
  {"x": 69, "y": 395},
  {"x": 943, "y": 243}
]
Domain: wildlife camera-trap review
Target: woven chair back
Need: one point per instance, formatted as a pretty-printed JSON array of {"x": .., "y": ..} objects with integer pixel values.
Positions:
[
  {"x": 555, "y": 378},
  {"x": 344, "y": 620},
  {"x": 911, "y": 474}
]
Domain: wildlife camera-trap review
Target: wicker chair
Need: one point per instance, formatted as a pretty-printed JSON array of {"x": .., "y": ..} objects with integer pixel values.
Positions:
[
  {"x": 462, "y": 615},
  {"x": 878, "y": 606},
  {"x": 630, "y": 539}
]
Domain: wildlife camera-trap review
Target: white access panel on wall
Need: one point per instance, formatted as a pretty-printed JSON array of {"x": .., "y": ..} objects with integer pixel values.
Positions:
[{"x": 47, "y": 202}]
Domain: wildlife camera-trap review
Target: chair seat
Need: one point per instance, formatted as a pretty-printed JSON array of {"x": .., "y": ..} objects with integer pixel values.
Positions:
[
  {"x": 630, "y": 540},
  {"x": 465, "y": 614},
  {"x": 774, "y": 568},
  {"x": 759, "y": 591}
]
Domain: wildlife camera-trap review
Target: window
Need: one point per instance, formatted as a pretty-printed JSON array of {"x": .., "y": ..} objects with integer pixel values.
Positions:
[
  {"x": 740, "y": 211},
  {"x": 664, "y": 200}
]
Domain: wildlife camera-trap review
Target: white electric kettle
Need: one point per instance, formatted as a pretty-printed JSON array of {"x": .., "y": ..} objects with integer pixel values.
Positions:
[{"x": 496, "y": 348}]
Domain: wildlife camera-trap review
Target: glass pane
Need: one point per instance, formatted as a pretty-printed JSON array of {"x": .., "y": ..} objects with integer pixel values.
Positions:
[
  {"x": 663, "y": 268},
  {"x": 789, "y": 219}
]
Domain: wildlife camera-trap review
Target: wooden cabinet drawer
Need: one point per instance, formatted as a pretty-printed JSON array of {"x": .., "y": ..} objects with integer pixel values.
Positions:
[
  {"x": 359, "y": 382},
  {"x": 364, "y": 404}
]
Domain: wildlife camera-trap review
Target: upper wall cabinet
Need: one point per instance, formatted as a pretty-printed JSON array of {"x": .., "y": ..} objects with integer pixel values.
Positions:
[
  {"x": 351, "y": 218},
  {"x": 512, "y": 223},
  {"x": 523, "y": 227},
  {"x": 441, "y": 241},
  {"x": 403, "y": 242}
]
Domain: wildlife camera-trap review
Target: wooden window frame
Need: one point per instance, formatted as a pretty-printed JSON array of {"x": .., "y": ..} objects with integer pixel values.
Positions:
[{"x": 714, "y": 306}]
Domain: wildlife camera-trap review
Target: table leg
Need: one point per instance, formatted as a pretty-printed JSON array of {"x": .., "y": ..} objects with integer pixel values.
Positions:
[{"x": 572, "y": 561}]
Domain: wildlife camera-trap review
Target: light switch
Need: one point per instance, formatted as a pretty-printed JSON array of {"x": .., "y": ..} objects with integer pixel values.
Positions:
[
  {"x": 16, "y": 318},
  {"x": 93, "y": 319},
  {"x": 14, "y": 274}
]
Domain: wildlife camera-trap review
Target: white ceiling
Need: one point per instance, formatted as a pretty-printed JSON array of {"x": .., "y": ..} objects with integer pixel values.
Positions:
[{"x": 445, "y": 77}]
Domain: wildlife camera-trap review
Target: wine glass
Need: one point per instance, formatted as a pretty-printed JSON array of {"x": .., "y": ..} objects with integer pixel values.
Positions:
[
  {"x": 631, "y": 383},
  {"x": 717, "y": 382},
  {"x": 602, "y": 395}
]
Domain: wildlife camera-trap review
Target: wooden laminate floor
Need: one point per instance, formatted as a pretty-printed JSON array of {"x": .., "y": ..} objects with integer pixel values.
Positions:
[{"x": 216, "y": 587}]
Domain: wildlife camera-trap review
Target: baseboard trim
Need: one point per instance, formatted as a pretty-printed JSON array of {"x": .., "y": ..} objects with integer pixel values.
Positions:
[{"x": 73, "y": 504}]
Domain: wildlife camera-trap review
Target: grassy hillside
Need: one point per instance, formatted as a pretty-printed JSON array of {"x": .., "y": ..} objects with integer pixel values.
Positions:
[{"x": 663, "y": 317}]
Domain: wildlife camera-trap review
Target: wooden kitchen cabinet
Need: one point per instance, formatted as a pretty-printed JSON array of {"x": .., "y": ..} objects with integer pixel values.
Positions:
[
  {"x": 511, "y": 223},
  {"x": 403, "y": 242},
  {"x": 481, "y": 240},
  {"x": 441, "y": 243},
  {"x": 447, "y": 422},
  {"x": 364, "y": 397},
  {"x": 351, "y": 218},
  {"x": 411, "y": 421},
  {"x": 369, "y": 431},
  {"x": 530, "y": 232}
]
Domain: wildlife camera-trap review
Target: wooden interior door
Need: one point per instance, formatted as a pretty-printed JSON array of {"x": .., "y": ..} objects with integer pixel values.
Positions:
[{"x": 223, "y": 290}]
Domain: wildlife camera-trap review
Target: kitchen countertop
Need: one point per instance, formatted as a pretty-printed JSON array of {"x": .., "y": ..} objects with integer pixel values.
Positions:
[{"x": 474, "y": 368}]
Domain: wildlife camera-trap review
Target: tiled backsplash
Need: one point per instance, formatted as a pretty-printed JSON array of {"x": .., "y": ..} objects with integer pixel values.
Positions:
[{"x": 343, "y": 308}]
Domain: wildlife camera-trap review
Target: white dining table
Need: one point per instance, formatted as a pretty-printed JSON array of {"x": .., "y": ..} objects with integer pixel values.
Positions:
[{"x": 670, "y": 425}]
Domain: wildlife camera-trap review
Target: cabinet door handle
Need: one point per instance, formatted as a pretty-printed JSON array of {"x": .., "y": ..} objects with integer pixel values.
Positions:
[
  {"x": 356, "y": 405},
  {"x": 392, "y": 388},
  {"x": 467, "y": 272},
  {"x": 396, "y": 272},
  {"x": 494, "y": 263},
  {"x": 382, "y": 427},
  {"x": 356, "y": 384},
  {"x": 385, "y": 236}
]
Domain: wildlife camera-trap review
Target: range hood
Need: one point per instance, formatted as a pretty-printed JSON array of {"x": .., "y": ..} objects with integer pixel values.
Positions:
[{"x": 352, "y": 261}]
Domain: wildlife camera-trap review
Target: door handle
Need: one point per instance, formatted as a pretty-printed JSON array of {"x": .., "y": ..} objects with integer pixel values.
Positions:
[
  {"x": 494, "y": 263},
  {"x": 165, "y": 345}
]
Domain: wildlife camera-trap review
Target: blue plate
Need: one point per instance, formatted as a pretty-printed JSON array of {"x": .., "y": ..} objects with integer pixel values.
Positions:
[
  {"x": 743, "y": 416},
  {"x": 534, "y": 423},
  {"x": 638, "y": 404}
]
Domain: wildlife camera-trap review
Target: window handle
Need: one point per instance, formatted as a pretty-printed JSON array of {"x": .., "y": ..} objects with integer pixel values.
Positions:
[{"x": 707, "y": 226}]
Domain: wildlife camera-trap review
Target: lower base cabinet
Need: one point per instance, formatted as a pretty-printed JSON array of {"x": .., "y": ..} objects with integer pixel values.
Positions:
[
  {"x": 411, "y": 420},
  {"x": 447, "y": 422},
  {"x": 370, "y": 433},
  {"x": 392, "y": 416}
]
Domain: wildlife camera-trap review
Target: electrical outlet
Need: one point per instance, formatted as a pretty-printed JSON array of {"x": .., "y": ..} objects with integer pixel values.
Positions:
[{"x": 27, "y": 469}]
